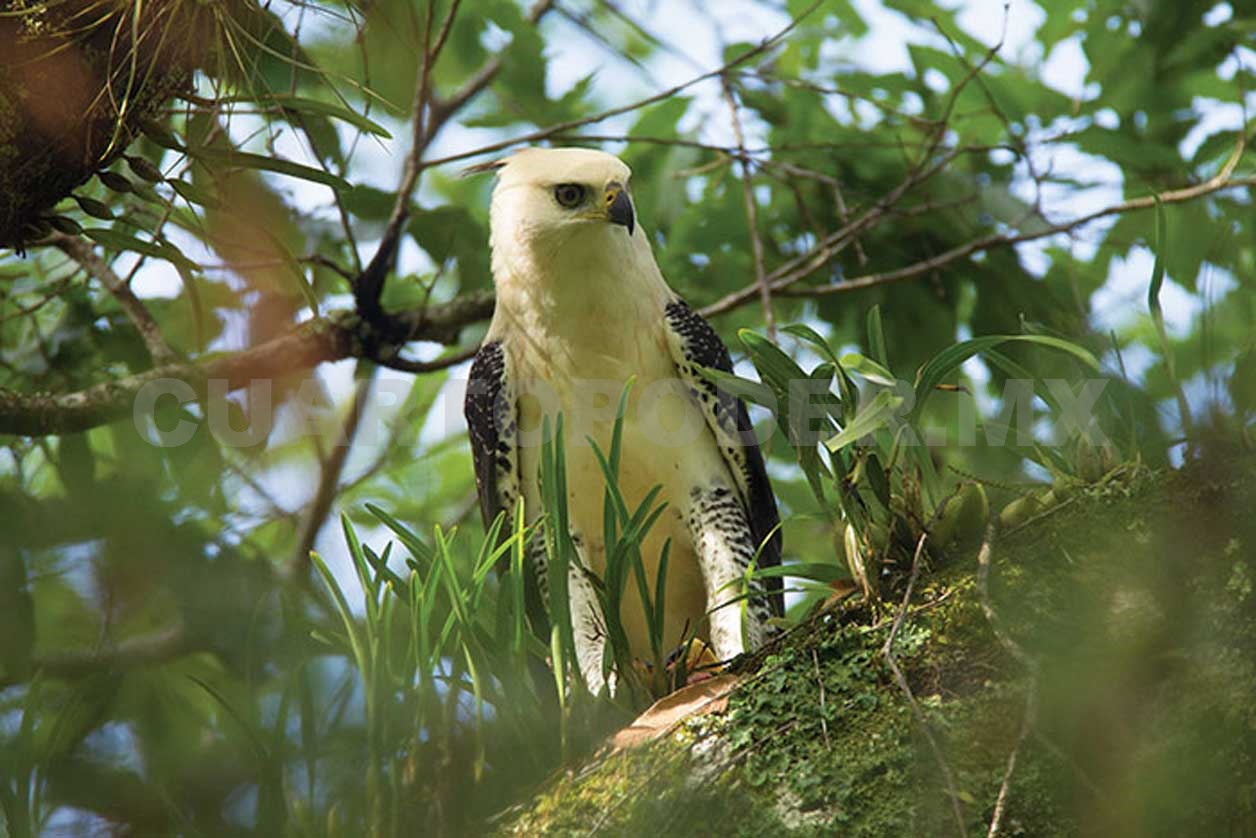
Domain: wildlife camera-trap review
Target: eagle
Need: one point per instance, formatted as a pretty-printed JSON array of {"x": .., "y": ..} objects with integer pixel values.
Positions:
[{"x": 581, "y": 310}]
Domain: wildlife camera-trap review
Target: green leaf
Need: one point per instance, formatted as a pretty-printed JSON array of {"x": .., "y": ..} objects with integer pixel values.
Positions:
[
  {"x": 868, "y": 368},
  {"x": 194, "y": 194},
  {"x": 742, "y": 388},
  {"x": 876, "y": 336},
  {"x": 122, "y": 242},
  {"x": 368, "y": 202},
  {"x": 776, "y": 367},
  {"x": 453, "y": 232},
  {"x": 815, "y": 571},
  {"x": 304, "y": 104},
  {"x": 810, "y": 336},
  {"x": 872, "y": 418},
  {"x": 278, "y": 165},
  {"x": 950, "y": 359}
]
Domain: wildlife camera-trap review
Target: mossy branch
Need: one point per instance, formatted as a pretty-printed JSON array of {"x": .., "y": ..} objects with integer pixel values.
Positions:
[{"x": 333, "y": 337}]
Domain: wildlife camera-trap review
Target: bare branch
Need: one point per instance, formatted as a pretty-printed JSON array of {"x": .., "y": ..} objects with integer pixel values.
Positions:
[
  {"x": 1175, "y": 196},
  {"x": 422, "y": 367},
  {"x": 429, "y": 115},
  {"x": 443, "y": 109},
  {"x": 752, "y": 210},
  {"x": 564, "y": 127},
  {"x": 370, "y": 283},
  {"x": 83, "y": 253},
  {"x": 329, "y": 474},
  {"x": 834, "y": 243}
]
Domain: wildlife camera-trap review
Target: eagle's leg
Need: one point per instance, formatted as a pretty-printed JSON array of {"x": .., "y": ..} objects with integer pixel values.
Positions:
[
  {"x": 725, "y": 546},
  {"x": 587, "y": 624}
]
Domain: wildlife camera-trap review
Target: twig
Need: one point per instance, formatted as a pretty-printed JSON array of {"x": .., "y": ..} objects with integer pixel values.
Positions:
[
  {"x": 563, "y": 127},
  {"x": 824, "y": 724},
  {"x": 443, "y": 109},
  {"x": 834, "y": 243},
  {"x": 888, "y": 651},
  {"x": 1027, "y": 725},
  {"x": 421, "y": 367},
  {"x": 330, "y": 471},
  {"x": 370, "y": 283},
  {"x": 80, "y": 251},
  {"x": 430, "y": 113},
  {"x": 781, "y": 283},
  {"x": 585, "y": 24},
  {"x": 752, "y": 209},
  {"x": 1031, "y": 691}
]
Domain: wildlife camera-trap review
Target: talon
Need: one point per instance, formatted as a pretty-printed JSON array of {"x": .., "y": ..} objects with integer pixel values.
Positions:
[{"x": 700, "y": 661}]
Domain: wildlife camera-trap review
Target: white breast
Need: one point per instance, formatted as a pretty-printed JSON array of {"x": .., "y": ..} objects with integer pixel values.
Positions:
[{"x": 666, "y": 442}]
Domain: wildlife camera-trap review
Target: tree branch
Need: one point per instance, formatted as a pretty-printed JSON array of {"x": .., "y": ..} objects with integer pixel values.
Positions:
[
  {"x": 1029, "y": 719},
  {"x": 83, "y": 253},
  {"x": 329, "y": 338},
  {"x": 1175, "y": 196},
  {"x": 429, "y": 115},
  {"x": 330, "y": 471},
  {"x": 129, "y": 654},
  {"x": 834, "y": 243},
  {"x": 752, "y": 210},
  {"x": 563, "y": 127},
  {"x": 443, "y": 109},
  {"x": 948, "y": 776}
]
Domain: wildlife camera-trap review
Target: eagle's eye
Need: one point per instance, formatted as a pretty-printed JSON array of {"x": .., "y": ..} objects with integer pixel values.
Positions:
[{"x": 569, "y": 195}]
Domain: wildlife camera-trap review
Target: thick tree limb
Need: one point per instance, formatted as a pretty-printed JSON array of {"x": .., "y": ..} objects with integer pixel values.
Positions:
[
  {"x": 329, "y": 338},
  {"x": 129, "y": 654},
  {"x": 887, "y": 651}
]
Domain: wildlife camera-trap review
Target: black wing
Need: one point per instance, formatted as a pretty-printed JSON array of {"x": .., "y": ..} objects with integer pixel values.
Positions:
[
  {"x": 490, "y": 411},
  {"x": 696, "y": 344}
]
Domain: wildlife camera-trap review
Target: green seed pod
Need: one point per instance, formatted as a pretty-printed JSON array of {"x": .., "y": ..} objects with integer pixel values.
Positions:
[
  {"x": 1019, "y": 511},
  {"x": 64, "y": 225},
  {"x": 115, "y": 181},
  {"x": 1063, "y": 488},
  {"x": 144, "y": 169},
  {"x": 94, "y": 208},
  {"x": 963, "y": 520},
  {"x": 157, "y": 132},
  {"x": 36, "y": 229},
  {"x": 973, "y": 514}
]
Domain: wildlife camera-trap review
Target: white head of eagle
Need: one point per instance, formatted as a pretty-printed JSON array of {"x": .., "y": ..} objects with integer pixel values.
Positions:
[{"x": 582, "y": 309}]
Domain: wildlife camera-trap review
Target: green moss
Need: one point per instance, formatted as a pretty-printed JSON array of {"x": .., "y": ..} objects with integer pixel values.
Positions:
[{"x": 1133, "y": 600}]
